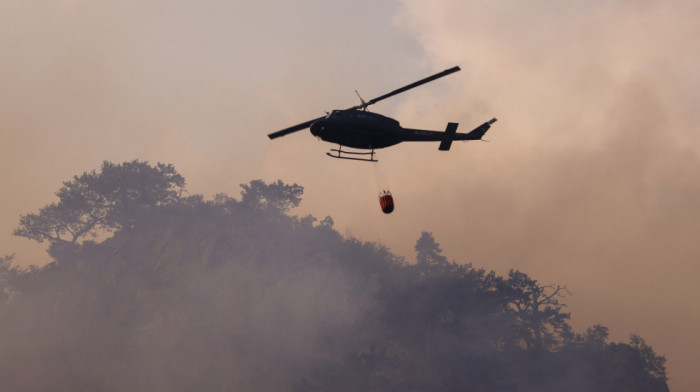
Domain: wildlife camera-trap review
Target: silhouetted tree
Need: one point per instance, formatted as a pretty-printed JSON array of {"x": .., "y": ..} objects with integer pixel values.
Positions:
[
  {"x": 108, "y": 200},
  {"x": 429, "y": 258},
  {"x": 654, "y": 364},
  {"x": 596, "y": 337},
  {"x": 542, "y": 320},
  {"x": 277, "y": 196},
  {"x": 235, "y": 294},
  {"x": 6, "y": 272}
]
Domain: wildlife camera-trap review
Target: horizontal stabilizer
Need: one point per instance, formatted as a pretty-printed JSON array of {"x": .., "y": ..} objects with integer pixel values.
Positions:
[{"x": 448, "y": 136}]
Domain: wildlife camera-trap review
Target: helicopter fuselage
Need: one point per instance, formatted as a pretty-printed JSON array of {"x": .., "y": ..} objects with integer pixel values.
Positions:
[
  {"x": 358, "y": 129},
  {"x": 361, "y": 129}
]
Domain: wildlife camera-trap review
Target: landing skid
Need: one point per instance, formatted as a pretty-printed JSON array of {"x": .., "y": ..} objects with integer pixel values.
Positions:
[{"x": 339, "y": 153}]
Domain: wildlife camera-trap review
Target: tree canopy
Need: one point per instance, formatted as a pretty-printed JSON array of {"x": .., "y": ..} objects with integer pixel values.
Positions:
[
  {"x": 237, "y": 294},
  {"x": 111, "y": 199}
]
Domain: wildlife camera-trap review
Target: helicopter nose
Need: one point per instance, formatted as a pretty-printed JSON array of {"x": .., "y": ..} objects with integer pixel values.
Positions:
[{"x": 317, "y": 127}]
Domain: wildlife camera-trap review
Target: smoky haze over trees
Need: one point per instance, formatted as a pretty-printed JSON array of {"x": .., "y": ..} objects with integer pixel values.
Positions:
[{"x": 237, "y": 294}]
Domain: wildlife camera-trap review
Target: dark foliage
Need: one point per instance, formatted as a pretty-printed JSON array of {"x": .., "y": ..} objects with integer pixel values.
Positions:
[
  {"x": 109, "y": 200},
  {"x": 232, "y": 294}
]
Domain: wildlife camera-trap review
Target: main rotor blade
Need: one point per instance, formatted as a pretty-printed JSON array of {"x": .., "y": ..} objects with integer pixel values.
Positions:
[
  {"x": 293, "y": 129},
  {"x": 412, "y": 85}
]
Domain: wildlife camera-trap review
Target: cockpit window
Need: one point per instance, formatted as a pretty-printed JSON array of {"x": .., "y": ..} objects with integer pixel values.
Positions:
[{"x": 334, "y": 113}]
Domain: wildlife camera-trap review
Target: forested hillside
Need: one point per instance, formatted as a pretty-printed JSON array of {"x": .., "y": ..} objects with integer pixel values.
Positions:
[{"x": 153, "y": 289}]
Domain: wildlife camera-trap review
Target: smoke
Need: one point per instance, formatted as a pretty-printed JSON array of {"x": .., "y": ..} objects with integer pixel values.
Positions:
[
  {"x": 187, "y": 300},
  {"x": 590, "y": 177},
  {"x": 199, "y": 85}
]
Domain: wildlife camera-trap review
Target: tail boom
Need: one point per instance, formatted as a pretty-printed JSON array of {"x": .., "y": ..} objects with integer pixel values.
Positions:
[
  {"x": 451, "y": 134},
  {"x": 445, "y": 138},
  {"x": 478, "y": 132}
]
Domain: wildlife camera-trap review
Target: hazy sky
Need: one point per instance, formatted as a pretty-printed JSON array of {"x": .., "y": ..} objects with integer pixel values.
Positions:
[{"x": 590, "y": 178}]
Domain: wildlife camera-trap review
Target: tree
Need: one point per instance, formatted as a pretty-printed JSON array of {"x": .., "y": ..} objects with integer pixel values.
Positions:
[
  {"x": 538, "y": 309},
  {"x": 275, "y": 197},
  {"x": 596, "y": 337},
  {"x": 108, "y": 200},
  {"x": 6, "y": 271},
  {"x": 214, "y": 294},
  {"x": 429, "y": 258},
  {"x": 654, "y": 364}
]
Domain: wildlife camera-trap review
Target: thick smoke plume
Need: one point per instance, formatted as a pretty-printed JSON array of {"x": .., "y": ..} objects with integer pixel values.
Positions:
[{"x": 236, "y": 294}]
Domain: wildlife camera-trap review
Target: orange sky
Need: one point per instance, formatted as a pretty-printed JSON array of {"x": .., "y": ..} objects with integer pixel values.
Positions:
[{"x": 590, "y": 178}]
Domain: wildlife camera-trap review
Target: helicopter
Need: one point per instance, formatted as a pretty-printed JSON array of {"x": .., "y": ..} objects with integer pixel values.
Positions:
[{"x": 357, "y": 128}]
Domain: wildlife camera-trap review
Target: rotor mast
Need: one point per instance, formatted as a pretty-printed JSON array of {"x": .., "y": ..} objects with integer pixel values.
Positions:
[{"x": 407, "y": 87}]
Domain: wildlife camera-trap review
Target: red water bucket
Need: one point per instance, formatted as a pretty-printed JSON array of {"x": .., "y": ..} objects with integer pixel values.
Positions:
[{"x": 386, "y": 202}]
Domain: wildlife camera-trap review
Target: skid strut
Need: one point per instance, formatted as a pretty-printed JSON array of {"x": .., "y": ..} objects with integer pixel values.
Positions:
[{"x": 339, "y": 153}]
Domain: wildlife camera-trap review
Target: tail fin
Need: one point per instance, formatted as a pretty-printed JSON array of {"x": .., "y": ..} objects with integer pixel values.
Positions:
[
  {"x": 448, "y": 136},
  {"x": 480, "y": 131}
]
